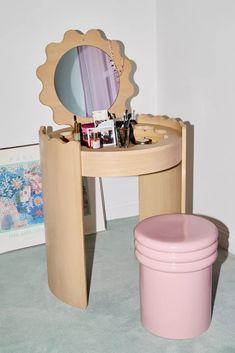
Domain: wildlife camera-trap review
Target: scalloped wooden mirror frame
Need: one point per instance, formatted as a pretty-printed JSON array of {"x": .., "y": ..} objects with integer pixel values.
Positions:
[{"x": 94, "y": 37}]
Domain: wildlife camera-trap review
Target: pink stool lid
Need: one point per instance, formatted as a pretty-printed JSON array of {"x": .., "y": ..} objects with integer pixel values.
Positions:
[{"x": 176, "y": 233}]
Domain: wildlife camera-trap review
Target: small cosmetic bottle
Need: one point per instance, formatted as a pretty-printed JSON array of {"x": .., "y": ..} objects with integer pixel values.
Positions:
[
  {"x": 77, "y": 132},
  {"x": 95, "y": 141}
]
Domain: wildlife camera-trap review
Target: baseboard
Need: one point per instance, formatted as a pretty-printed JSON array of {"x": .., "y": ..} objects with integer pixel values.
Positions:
[{"x": 122, "y": 211}]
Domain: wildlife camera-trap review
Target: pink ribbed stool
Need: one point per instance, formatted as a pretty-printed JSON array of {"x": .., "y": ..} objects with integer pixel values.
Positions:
[{"x": 176, "y": 253}]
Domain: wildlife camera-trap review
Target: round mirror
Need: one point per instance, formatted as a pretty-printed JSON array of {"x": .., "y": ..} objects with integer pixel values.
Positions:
[
  {"x": 86, "y": 79},
  {"x": 86, "y": 72}
]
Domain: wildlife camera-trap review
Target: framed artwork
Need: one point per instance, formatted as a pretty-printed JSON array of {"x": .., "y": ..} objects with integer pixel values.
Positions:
[
  {"x": 21, "y": 199},
  {"x": 21, "y": 205}
]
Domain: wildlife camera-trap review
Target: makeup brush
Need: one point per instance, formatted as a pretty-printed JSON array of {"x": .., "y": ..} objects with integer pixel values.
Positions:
[
  {"x": 75, "y": 127},
  {"x": 129, "y": 119},
  {"x": 64, "y": 139},
  {"x": 113, "y": 116}
]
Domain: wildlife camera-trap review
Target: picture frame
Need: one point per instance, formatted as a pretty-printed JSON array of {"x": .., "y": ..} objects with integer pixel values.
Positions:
[
  {"x": 21, "y": 205},
  {"x": 21, "y": 199},
  {"x": 106, "y": 134}
]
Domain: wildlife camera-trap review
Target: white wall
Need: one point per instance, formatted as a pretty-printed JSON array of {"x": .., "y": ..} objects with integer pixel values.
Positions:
[
  {"x": 185, "y": 67},
  {"x": 196, "y": 81},
  {"x": 26, "y": 27}
]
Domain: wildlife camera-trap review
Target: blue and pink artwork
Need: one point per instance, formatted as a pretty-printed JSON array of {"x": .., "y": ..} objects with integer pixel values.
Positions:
[{"x": 21, "y": 202}]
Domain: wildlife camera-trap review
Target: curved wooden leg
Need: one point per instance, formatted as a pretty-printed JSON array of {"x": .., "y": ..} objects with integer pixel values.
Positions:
[
  {"x": 63, "y": 212},
  {"x": 160, "y": 193}
]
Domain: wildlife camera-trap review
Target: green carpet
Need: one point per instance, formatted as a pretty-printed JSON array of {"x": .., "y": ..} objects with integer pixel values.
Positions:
[{"x": 33, "y": 320}]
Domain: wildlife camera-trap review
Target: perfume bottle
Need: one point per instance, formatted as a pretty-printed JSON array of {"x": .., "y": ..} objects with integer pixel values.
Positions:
[
  {"x": 95, "y": 141},
  {"x": 77, "y": 130}
]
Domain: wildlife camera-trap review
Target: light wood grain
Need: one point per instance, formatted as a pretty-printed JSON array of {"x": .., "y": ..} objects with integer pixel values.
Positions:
[
  {"x": 162, "y": 120},
  {"x": 160, "y": 193},
  {"x": 134, "y": 160},
  {"x": 185, "y": 131},
  {"x": 63, "y": 212},
  {"x": 162, "y": 171},
  {"x": 73, "y": 38}
]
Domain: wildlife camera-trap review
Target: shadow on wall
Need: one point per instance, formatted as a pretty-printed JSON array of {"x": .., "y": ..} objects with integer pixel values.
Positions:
[
  {"x": 189, "y": 166},
  {"x": 223, "y": 241},
  {"x": 223, "y": 230},
  {"x": 90, "y": 241}
]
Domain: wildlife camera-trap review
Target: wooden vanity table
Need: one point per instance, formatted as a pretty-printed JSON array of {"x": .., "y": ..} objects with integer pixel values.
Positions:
[{"x": 160, "y": 167}]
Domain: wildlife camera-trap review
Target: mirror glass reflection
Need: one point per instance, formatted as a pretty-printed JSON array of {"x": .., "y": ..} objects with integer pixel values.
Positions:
[{"x": 86, "y": 79}]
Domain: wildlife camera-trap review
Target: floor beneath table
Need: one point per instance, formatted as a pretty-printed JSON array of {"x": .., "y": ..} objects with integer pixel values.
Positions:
[{"x": 32, "y": 320}]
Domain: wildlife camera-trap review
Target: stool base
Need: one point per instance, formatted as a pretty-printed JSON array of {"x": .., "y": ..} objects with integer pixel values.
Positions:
[{"x": 175, "y": 305}]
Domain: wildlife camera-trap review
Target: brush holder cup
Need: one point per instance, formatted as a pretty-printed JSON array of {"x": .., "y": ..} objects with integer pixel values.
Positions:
[
  {"x": 123, "y": 134},
  {"x": 176, "y": 253}
]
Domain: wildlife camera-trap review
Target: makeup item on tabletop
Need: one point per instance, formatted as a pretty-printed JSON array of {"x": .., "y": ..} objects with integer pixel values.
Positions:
[
  {"x": 104, "y": 124},
  {"x": 132, "y": 122},
  {"x": 126, "y": 118},
  {"x": 123, "y": 130},
  {"x": 99, "y": 116},
  {"x": 114, "y": 118},
  {"x": 75, "y": 124},
  {"x": 106, "y": 135},
  {"x": 121, "y": 133},
  {"x": 128, "y": 126},
  {"x": 64, "y": 139},
  {"x": 131, "y": 134},
  {"x": 76, "y": 130},
  {"x": 85, "y": 128},
  {"x": 142, "y": 131},
  {"x": 95, "y": 141},
  {"x": 67, "y": 134},
  {"x": 144, "y": 141}
]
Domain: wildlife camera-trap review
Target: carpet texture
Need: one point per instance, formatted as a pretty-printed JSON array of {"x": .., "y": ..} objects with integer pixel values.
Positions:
[{"x": 33, "y": 320}]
